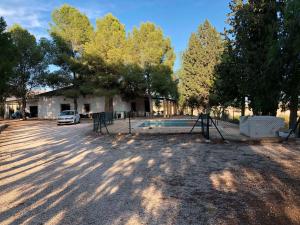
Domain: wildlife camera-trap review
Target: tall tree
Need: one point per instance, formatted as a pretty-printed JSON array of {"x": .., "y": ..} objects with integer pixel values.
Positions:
[
  {"x": 231, "y": 81},
  {"x": 254, "y": 33},
  {"x": 229, "y": 87},
  {"x": 30, "y": 64},
  {"x": 291, "y": 57},
  {"x": 199, "y": 60},
  {"x": 261, "y": 51},
  {"x": 105, "y": 57},
  {"x": 7, "y": 59},
  {"x": 70, "y": 31},
  {"x": 152, "y": 52}
]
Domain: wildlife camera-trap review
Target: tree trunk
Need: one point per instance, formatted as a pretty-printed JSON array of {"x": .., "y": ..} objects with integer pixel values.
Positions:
[
  {"x": 192, "y": 111},
  {"x": 243, "y": 107},
  {"x": 24, "y": 108},
  {"x": 108, "y": 104},
  {"x": 75, "y": 103},
  {"x": 2, "y": 107},
  {"x": 293, "y": 111}
]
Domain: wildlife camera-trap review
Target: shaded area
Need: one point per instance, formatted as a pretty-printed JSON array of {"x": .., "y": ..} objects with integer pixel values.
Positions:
[{"x": 68, "y": 175}]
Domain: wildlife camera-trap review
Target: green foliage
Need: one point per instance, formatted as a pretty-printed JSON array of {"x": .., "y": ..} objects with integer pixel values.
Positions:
[
  {"x": 105, "y": 61},
  {"x": 152, "y": 52},
  {"x": 252, "y": 61},
  {"x": 30, "y": 63},
  {"x": 199, "y": 60},
  {"x": 229, "y": 86},
  {"x": 71, "y": 27},
  {"x": 147, "y": 46},
  {"x": 133, "y": 82},
  {"x": 104, "y": 55},
  {"x": 109, "y": 40},
  {"x": 7, "y": 59},
  {"x": 290, "y": 41},
  {"x": 70, "y": 31}
]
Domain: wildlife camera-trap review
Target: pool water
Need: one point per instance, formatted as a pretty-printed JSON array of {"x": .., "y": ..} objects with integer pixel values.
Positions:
[{"x": 170, "y": 123}]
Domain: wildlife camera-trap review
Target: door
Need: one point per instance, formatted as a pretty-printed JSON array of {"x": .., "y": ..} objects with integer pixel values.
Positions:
[
  {"x": 33, "y": 111},
  {"x": 147, "y": 105},
  {"x": 133, "y": 106}
]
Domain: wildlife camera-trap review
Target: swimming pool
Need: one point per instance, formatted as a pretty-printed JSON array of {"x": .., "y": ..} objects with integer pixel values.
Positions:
[{"x": 170, "y": 123}]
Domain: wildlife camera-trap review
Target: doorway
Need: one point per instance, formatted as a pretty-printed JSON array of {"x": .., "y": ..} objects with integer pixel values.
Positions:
[
  {"x": 133, "y": 106},
  {"x": 33, "y": 111},
  {"x": 147, "y": 105}
]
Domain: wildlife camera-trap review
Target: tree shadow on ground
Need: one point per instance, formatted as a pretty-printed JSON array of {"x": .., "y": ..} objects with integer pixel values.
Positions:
[{"x": 63, "y": 176}]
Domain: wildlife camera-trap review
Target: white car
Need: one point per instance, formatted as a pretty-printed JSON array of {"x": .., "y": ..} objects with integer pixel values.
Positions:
[{"x": 68, "y": 117}]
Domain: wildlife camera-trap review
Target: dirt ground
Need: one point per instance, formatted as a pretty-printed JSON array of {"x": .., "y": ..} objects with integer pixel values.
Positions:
[{"x": 68, "y": 175}]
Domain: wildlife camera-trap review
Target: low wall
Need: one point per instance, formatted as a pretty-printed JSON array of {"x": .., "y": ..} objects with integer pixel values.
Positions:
[{"x": 260, "y": 126}]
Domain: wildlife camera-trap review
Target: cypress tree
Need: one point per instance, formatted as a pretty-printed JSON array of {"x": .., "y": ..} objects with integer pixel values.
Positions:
[{"x": 199, "y": 60}]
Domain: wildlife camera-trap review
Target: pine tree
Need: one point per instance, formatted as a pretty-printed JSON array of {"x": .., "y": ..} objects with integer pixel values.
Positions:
[
  {"x": 30, "y": 64},
  {"x": 6, "y": 58},
  {"x": 148, "y": 49},
  {"x": 7, "y": 61},
  {"x": 105, "y": 57},
  {"x": 70, "y": 31},
  {"x": 199, "y": 60}
]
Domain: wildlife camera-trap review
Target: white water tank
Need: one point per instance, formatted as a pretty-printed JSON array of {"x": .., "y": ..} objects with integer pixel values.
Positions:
[{"x": 260, "y": 126}]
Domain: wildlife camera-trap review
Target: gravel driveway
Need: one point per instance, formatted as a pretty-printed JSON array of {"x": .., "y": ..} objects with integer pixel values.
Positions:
[{"x": 68, "y": 175}]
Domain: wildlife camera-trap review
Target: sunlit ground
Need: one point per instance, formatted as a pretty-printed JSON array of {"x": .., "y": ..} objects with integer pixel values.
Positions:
[{"x": 67, "y": 175}]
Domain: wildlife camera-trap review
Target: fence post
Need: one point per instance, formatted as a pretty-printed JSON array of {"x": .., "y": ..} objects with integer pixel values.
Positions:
[
  {"x": 202, "y": 124},
  {"x": 207, "y": 126},
  {"x": 129, "y": 122}
]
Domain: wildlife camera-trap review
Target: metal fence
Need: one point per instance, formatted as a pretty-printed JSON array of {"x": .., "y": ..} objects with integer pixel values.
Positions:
[
  {"x": 206, "y": 121},
  {"x": 101, "y": 120}
]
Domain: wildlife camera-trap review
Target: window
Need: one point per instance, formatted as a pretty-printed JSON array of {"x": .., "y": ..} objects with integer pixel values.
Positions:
[
  {"x": 64, "y": 107},
  {"x": 87, "y": 108},
  {"x": 67, "y": 113}
]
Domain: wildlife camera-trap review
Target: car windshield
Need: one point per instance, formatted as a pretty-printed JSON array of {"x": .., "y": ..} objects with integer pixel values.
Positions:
[{"x": 66, "y": 113}]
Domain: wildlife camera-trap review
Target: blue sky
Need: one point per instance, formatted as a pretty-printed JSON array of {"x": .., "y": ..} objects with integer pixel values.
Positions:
[{"x": 177, "y": 18}]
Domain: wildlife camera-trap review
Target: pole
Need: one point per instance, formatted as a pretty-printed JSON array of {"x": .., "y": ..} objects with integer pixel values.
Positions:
[
  {"x": 207, "y": 126},
  {"x": 129, "y": 122}
]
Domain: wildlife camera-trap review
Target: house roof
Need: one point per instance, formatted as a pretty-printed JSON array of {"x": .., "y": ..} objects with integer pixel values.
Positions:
[{"x": 55, "y": 92}]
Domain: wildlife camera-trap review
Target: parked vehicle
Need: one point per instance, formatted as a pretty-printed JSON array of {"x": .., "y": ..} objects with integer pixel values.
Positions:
[
  {"x": 18, "y": 115},
  {"x": 68, "y": 117}
]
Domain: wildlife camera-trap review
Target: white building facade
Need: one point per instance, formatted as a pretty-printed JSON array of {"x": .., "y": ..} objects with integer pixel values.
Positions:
[{"x": 48, "y": 105}]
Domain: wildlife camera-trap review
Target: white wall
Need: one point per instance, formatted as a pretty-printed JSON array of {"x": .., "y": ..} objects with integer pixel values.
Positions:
[
  {"x": 120, "y": 105},
  {"x": 49, "y": 106}
]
